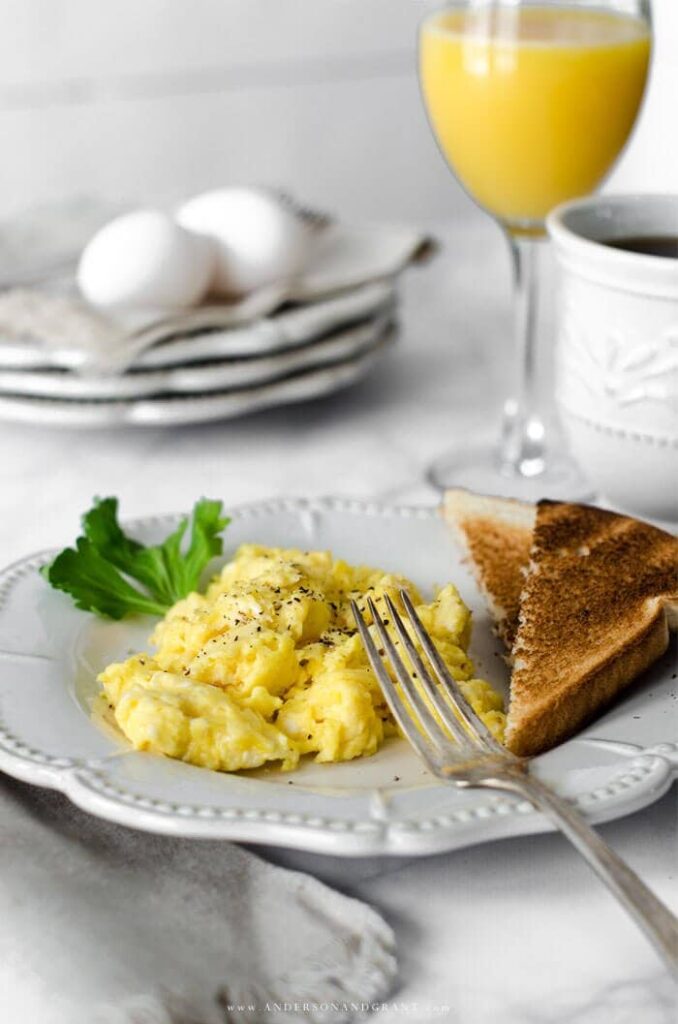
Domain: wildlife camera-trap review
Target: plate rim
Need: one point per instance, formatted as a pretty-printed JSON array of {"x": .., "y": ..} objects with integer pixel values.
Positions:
[
  {"x": 302, "y": 385},
  {"x": 642, "y": 775},
  {"x": 349, "y": 341}
]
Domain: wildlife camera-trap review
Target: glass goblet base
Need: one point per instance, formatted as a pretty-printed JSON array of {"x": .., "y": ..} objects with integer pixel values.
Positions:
[{"x": 479, "y": 468}]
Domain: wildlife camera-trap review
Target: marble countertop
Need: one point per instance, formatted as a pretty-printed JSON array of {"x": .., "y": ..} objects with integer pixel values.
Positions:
[{"x": 518, "y": 931}]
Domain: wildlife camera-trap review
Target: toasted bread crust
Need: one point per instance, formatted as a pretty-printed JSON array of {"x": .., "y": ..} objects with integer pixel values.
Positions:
[
  {"x": 593, "y": 615},
  {"x": 496, "y": 535}
]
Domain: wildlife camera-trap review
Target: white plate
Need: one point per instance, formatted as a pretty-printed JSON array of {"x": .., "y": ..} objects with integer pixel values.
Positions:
[
  {"x": 198, "y": 407},
  {"x": 387, "y": 804},
  {"x": 192, "y": 378}
]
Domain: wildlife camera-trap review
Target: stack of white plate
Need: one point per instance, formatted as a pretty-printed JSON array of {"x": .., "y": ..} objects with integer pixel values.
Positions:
[
  {"x": 204, "y": 366},
  {"x": 299, "y": 353}
]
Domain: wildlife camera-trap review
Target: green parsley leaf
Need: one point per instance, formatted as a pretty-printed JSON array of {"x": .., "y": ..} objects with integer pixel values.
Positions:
[
  {"x": 95, "y": 585},
  {"x": 100, "y": 571},
  {"x": 205, "y": 543}
]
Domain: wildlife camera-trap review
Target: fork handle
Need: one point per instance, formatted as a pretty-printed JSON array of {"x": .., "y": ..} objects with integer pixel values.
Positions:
[{"x": 653, "y": 917}]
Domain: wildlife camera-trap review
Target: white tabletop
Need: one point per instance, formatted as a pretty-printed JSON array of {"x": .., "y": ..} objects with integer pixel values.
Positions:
[{"x": 517, "y": 931}]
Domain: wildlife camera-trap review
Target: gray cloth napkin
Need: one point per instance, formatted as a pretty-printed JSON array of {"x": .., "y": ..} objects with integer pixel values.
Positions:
[{"x": 104, "y": 925}]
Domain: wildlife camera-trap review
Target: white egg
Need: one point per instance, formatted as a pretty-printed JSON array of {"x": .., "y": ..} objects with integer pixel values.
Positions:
[
  {"x": 260, "y": 241},
  {"x": 145, "y": 259}
]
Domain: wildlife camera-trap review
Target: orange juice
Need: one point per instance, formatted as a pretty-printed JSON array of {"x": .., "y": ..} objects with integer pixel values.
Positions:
[{"x": 531, "y": 105}]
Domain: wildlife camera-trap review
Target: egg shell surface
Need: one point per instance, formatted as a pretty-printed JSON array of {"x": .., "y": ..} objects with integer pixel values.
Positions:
[
  {"x": 145, "y": 260},
  {"x": 260, "y": 242}
]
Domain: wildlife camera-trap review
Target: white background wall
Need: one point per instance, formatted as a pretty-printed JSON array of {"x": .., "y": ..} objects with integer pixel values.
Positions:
[
  {"x": 157, "y": 98},
  {"x": 153, "y": 99},
  {"x": 651, "y": 161}
]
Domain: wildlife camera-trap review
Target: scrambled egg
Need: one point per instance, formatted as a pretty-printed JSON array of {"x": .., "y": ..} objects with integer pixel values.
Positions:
[{"x": 267, "y": 665}]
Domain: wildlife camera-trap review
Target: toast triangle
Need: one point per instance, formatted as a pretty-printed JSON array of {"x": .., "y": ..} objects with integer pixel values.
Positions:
[
  {"x": 598, "y": 599},
  {"x": 496, "y": 536}
]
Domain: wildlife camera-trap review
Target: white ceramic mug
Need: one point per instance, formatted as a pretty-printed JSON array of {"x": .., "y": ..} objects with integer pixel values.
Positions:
[{"x": 617, "y": 350}]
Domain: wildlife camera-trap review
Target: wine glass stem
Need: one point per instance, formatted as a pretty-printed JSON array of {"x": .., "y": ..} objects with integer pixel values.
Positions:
[{"x": 522, "y": 444}]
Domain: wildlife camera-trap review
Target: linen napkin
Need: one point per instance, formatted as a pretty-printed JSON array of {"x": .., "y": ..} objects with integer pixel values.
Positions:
[
  {"x": 70, "y": 334},
  {"x": 105, "y": 925}
]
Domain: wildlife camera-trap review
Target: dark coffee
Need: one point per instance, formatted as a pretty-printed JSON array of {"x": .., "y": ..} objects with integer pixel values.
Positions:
[{"x": 648, "y": 245}]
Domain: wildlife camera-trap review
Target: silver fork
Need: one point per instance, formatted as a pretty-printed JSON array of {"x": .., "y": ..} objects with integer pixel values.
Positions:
[{"x": 474, "y": 758}]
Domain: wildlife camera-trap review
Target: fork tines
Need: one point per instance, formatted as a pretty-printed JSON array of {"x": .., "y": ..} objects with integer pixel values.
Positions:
[{"x": 444, "y": 711}]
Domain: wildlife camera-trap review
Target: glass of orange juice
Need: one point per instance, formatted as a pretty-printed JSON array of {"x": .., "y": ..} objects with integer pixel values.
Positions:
[{"x": 531, "y": 102}]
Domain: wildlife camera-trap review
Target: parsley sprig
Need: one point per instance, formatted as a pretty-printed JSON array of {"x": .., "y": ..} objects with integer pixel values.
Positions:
[{"x": 113, "y": 575}]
